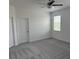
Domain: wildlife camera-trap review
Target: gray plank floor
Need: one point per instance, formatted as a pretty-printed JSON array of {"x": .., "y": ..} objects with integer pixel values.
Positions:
[{"x": 49, "y": 49}]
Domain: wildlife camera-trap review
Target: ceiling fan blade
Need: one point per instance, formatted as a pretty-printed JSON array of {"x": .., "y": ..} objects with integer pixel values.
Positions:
[
  {"x": 57, "y": 5},
  {"x": 50, "y": 2}
]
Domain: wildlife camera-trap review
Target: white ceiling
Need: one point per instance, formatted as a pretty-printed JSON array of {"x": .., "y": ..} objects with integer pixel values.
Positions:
[{"x": 34, "y": 3}]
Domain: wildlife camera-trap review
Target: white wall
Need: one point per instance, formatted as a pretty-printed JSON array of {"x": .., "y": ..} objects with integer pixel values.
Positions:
[
  {"x": 64, "y": 34},
  {"x": 39, "y": 22},
  {"x": 11, "y": 14},
  {"x": 11, "y": 11},
  {"x": 10, "y": 34}
]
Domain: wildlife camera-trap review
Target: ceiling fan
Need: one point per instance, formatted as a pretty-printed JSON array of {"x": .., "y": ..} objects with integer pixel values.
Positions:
[{"x": 51, "y": 3}]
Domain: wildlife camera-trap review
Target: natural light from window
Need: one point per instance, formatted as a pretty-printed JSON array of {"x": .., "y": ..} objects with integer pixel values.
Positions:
[{"x": 57, "y": 23}]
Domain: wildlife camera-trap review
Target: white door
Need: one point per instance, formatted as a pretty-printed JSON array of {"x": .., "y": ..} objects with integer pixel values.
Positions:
[{"x": 22, "y": 26}]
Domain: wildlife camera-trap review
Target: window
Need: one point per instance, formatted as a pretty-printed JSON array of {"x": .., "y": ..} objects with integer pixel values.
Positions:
[{"x": 57, "y": 23}]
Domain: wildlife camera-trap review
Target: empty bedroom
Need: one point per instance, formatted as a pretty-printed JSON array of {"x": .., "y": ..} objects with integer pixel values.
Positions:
[{"x": 39, "y": 29}]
